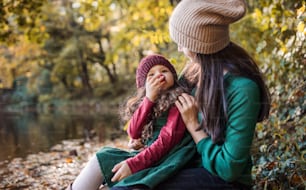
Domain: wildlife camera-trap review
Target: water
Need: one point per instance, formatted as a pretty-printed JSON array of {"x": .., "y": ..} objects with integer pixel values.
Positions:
[{"x": 30, "y": 132}]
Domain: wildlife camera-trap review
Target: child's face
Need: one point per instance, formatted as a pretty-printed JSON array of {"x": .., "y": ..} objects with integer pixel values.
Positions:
[{"x": 163, "y": 75}]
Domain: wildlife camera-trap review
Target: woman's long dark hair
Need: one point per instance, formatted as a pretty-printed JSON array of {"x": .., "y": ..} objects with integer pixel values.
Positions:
[{"x": 210, "y": 93}]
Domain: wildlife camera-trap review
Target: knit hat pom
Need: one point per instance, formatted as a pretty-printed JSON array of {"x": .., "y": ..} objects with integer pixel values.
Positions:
[
  {"x": 147, "y": 63},
  {"x": 202, "y": 26}
]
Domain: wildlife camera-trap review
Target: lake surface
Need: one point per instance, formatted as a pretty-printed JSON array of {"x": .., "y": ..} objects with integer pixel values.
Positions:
[{"x": 30, "y": 132}]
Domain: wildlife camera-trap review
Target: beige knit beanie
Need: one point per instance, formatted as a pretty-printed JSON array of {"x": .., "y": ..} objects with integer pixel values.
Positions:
[{"x": 202, "y": 26}]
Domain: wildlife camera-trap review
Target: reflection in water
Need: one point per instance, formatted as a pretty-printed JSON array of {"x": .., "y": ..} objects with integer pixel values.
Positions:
[{"x": 30, "y": 132}]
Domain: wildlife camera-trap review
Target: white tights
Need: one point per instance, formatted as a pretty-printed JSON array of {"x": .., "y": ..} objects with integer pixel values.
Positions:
[{"x": 90, "y": 177}]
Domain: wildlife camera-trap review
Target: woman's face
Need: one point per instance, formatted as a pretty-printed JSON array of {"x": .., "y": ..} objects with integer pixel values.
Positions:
[
  {"x": 191, "y": 55},
  {"x": 163, "y": 74}
]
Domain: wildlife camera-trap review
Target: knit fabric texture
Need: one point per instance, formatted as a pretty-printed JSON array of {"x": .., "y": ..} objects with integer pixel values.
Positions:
[
  {"x": 202, "y": 26},
  {"x": 147, "y": 63}
]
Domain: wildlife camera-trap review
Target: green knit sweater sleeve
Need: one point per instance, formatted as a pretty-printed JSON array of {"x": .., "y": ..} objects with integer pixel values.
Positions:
[{"x": 231, "y": 160}]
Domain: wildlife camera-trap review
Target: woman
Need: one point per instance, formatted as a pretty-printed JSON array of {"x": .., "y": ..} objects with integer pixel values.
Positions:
[{"x": 230, "y": 96}]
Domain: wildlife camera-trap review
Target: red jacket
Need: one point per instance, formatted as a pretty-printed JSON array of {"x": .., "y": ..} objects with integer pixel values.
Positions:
[{"x": 170, "y": 135}]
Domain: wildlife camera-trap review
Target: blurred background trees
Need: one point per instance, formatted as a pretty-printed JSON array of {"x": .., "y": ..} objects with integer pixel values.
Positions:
[
  {"x": 81, "y": 49},
  {"x": 82, "y": 44}
]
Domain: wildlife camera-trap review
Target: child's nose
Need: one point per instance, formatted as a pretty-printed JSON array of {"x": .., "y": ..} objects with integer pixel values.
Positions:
[
  {"x": 162, "y": 77},
  {"x": 157, "y": 73}
]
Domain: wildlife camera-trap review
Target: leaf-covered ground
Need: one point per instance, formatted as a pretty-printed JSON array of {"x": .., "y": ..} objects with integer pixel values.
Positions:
[
  {"x": 52, "y": 170},
  {"x": 55, "y": 169}
]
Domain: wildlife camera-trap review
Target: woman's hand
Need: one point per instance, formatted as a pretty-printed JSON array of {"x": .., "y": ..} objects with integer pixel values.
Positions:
[
  {"x": 121, "y": 170},
  {"x": 188, "y": 108},
  {"x": 153, "y": 87}
]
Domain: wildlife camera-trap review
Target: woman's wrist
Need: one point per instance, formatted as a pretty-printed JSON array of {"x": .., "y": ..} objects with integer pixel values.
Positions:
[
  {"x": 196, "y": 133},
  {"x": 198, "y": 136}
]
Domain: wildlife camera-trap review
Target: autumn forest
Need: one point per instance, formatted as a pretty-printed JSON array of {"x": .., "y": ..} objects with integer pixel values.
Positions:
[{"x": 55, "y": 53}]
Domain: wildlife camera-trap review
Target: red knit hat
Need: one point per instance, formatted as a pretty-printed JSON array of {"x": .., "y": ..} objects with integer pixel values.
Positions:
[{"x": 147, "y": 63}]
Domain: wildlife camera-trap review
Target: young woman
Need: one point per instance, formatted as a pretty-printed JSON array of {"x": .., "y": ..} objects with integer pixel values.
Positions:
[
  {"x": 229, "y": 96},
  {"x": 154, "y": 121}
]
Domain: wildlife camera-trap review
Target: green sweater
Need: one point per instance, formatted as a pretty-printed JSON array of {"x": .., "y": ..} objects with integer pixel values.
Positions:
[{"x": 232, "y": 161}]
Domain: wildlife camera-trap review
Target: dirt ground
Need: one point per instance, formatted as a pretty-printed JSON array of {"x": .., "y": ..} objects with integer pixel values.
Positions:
[{"x": 52, "y": 170}]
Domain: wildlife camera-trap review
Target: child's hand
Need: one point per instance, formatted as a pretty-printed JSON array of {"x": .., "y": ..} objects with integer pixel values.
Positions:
[
  {"x": 121, "y": 170},
  {"x": 153, "y": 86},
  {"x": 136, "y": 144}
]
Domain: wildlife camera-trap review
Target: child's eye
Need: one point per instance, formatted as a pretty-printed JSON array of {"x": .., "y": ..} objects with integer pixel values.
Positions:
[
  {"x": 165, "y": 71},
  {"x": 150, "y": 74}
]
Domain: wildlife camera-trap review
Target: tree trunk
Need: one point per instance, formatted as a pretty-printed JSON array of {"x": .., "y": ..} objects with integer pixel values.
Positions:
[
  {"x": 100, "y": 59},
  {"x": 84, "y": 74},
  {"x": 112, "y": 77},
  {"x": 63, "y": 80}
]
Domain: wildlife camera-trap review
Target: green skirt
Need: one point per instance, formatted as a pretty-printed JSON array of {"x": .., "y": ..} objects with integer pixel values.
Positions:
[{"x": 176, "y": 159}]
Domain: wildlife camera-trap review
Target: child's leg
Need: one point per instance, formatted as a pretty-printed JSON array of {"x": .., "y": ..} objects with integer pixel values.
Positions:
[{"x": 90, "y": 177}]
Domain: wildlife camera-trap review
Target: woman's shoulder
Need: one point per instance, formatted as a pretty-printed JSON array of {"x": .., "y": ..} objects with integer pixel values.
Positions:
[
  {"x": 242, "y": 87},
  {"x": 233, "y": 81}
]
